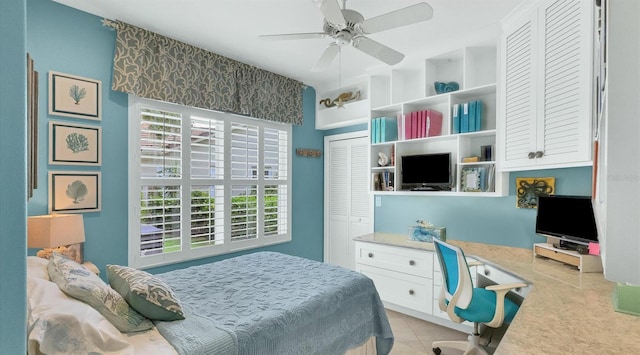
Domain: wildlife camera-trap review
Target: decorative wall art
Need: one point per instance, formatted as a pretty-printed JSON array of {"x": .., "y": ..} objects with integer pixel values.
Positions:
[
  {"x": 342, "y": 99},
  {"x": 528, "y": 190},
  {"x": 32, "y": 127},
  {"x": 74, "y": 96},
  {"x": 75, "y": 191},
  {"x": 74, "y": 144}
]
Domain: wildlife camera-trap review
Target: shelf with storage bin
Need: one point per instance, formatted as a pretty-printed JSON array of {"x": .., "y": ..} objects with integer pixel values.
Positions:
[
  {"x": 409, "y": 87},
  {"x": 458, "y": 145},
  {"x": 470, "y": 67}
]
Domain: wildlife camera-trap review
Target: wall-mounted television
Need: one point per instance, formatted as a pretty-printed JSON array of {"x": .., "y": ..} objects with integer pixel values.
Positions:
[
  {"x": 568, "y": 218},
  {"x": 422, "y": 172}
]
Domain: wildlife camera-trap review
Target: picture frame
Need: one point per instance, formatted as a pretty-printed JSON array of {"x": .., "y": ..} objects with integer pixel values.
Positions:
[
  {"x": 472, "y": 179},
  {"x": 75, "y": 96},
  {"x": 32, "y": 127},
  {"x": 75, "y": 144},
  {"x": 528, "y": 190},
  {"x": 75, "y": 191}
]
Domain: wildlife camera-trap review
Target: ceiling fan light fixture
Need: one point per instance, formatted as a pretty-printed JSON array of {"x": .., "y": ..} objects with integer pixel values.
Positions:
[{"x": 343, "y": 37}]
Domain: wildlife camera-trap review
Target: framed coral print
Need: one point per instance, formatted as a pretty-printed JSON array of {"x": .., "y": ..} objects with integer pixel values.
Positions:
[
  {"x": 74, "y": 96},
  {"x": 75, "y": 191},
  {"x": 75, "y": 144}
]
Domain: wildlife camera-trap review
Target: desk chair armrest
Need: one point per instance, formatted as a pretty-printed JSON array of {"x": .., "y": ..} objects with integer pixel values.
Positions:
[
  {"x": 501, "y": 291},
  {"x": 472, "y": 263},
  {"x": 507, "y": 287}
]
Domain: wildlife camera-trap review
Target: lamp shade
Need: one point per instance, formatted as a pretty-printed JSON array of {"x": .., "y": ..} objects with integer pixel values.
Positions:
[{"x": 51, "y": 231}]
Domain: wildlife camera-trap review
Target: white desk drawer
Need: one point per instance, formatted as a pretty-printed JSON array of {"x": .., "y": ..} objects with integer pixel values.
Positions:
[
  {"x": 410, "y": 261},
  {"x": 490, "y": 275},
  {"x": 437, "y": 275},
  {"x": 404, "y": 290}
]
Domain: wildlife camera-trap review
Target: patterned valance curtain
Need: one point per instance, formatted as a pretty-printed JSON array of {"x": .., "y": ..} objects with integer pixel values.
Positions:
[{"x": 152, "y": 66}]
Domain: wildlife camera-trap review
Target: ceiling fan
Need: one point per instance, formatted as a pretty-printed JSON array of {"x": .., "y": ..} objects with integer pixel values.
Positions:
[{"x": 346, "y": 26}]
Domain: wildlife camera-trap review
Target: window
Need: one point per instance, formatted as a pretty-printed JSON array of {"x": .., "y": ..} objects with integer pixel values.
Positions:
[{"x": 204, "y": 183}]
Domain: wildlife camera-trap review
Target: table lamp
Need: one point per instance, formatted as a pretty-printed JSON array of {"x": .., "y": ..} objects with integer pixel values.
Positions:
[{"x": 61, "y": 233}]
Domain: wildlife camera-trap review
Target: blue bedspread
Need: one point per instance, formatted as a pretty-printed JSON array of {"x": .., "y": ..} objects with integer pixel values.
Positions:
[{"x": 272, "y": 303}]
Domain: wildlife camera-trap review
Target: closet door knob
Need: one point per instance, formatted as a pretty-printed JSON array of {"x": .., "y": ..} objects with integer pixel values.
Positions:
[
  {"x": 371, "y": 255},
  {"x": 411, "y": 292},
  {"x": 487, "y": 272},
  {"x": 411, "y": 262},
  {"x": 539, "y": 154},
  {"x": 531, "y": 155}
]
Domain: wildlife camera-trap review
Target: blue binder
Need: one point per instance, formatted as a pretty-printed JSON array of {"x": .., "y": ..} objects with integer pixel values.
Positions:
[
  {"x": 472, "y": 116},
  {"x": 389, "y": 131},
  {"x": 464, "y": 118},
  {"x": 478, "y": 115},
  {"x": 456, "y": 118}
]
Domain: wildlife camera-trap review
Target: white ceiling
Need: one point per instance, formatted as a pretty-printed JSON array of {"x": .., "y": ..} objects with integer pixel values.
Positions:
[{"x": 231, "y": 28}]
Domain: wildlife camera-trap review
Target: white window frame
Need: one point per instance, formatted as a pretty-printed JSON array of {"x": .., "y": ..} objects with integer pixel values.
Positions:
[{"x": 136, "y": 104}]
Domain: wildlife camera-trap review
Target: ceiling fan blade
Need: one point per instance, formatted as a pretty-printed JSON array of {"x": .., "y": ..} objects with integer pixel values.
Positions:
[
  {"x": 402, "y": 17},
  {"x": 289, "y": 36},
  {"x": 326, "y": 58},
  {"x": 332, "y": 12},
  {"x": 377, "y": 50}
]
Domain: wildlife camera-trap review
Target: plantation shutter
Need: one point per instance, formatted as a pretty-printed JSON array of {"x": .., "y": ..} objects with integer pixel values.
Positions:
[
  {"x": 244, "y": 175},
  {"x": 207, "y": 182},
  {"x": 276, "y": 162},
  {"x": 161, "y": 170}
]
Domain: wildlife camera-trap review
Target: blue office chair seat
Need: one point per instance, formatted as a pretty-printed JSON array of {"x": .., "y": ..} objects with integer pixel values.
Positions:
[
  {"x": 464, "y": 302},
  {"x": 483, "y": 307}
]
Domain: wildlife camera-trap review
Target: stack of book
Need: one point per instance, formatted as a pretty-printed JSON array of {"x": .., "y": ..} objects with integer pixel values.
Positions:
[
  {"x": 421, "y": 124},
  {"x": 467, "y": 117},
  {"x": 383, "y": 181},
  {"x": 384, "y": 129}
]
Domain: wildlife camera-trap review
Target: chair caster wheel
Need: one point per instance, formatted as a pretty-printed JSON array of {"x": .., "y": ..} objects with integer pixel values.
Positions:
[{"x": 436, "y": 351}]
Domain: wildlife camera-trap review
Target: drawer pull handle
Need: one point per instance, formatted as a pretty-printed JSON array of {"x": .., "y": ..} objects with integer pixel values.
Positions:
[
  {"x": 411, "y": 292},
  {"x": 411, "y": 262},
  {"x": 371, "y": 255}
]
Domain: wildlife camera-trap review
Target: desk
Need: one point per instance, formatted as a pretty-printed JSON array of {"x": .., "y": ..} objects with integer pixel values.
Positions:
[{"x": 565, "y": 312}]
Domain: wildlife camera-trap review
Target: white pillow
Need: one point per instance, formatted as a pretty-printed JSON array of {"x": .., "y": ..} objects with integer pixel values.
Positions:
[
  {"x": 37, "y": 267},
  {"x": 59, "y": 324}
]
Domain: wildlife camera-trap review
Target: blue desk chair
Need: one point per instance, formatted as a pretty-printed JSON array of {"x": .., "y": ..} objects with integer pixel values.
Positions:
[{"x": 462, "y": 301}]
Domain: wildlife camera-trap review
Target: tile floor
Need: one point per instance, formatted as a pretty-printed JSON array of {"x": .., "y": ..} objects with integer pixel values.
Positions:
[{"x": 414, "y": 336}]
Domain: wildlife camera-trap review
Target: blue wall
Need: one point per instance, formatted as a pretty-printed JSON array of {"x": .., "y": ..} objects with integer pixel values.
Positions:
[
  {"x": 13, "y": 174},
  {"x": 490, "y": 220},
  {"x": 71, "y": 41}
]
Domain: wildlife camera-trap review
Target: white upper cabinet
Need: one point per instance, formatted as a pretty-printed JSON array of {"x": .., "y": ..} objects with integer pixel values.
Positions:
[{"x": 546, "y": 86}]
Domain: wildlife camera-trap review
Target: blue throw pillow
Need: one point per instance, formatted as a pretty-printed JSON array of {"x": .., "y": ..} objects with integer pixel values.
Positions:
[{"x": 146, "y": 293}]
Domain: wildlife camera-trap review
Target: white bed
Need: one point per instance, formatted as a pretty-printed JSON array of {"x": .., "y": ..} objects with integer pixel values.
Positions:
[{"x": 61, "y": 324}]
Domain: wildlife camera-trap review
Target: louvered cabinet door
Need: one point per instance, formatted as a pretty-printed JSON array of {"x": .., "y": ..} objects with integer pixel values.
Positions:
[
  {"x": 519, "y": 91},
  {"x": 566, "y": 71},
  {"x": 547, "y": 61}
]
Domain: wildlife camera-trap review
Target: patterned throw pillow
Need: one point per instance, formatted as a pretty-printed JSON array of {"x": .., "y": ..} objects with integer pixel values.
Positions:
[
  {"x": 77, "y": 281},
  {"x": 146, "y": 293}
]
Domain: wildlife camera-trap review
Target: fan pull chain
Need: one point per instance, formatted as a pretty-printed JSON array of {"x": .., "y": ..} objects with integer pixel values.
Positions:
[{"x": 339, "y": 67}]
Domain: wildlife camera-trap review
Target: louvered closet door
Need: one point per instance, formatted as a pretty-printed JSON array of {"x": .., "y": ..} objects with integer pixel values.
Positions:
[
  {"x": 348, "y": 205},
  {"x": 520, "y": 91},
  {"x": 566, "y": 93}
]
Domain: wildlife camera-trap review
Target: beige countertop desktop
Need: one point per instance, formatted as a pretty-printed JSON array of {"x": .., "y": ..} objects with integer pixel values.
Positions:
[{"x": 565, "y": 312}]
